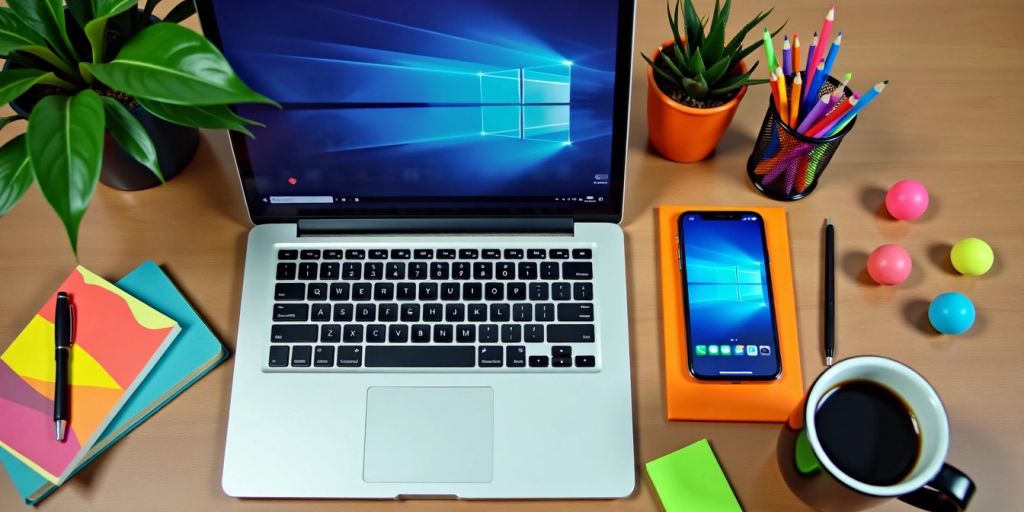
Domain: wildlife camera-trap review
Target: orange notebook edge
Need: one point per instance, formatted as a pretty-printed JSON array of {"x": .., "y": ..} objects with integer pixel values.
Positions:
[{"x": 689, "y": 399}]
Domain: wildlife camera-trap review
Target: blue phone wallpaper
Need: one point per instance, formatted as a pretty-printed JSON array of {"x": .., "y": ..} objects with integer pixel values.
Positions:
[
  {"x": 731, "y": 327},
  {"x": 478, "y": 99}
]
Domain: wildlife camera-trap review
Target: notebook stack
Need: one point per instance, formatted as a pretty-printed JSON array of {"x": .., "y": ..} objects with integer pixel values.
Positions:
[{"x": 137, "y": 345}]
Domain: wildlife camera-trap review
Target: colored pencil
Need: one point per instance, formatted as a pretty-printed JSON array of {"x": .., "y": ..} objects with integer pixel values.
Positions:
[
  {"x": 794, "y": 99},
  {"x": 817, "y": 130},
  {"x": 796, "y": 56},
  {"x": 774, "y": 82},
  {"x": 813, "y": 90},
  {"x": 807, "y": 66},
  {"x": 833, "y": 52},
  {"x": 787, "y": 57},
  {"x": 819, "y": 50},
  {"x": 783, "y": 96},
  {"x": 861, "y": 105},
  {"x": 769, "y": 51},
  {"x": 817, "y": 112}
]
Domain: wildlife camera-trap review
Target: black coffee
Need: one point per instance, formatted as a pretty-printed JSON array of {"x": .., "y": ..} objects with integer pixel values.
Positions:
[{"x": 868, "y": 432}]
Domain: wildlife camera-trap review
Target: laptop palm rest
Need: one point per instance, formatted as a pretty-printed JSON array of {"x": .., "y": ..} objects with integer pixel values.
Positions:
[{"x": 429, "y": 435}]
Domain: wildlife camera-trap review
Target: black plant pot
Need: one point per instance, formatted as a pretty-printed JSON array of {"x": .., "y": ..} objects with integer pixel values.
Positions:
[{"x": 175, "y": 147}]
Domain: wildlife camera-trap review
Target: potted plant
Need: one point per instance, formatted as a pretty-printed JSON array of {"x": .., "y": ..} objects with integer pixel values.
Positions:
[
  {"x": 696, "y": 81},
  {"x": 103, "y": 83}
]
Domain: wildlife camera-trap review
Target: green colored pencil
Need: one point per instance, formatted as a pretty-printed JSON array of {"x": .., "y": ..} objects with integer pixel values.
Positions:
[{"x": 769, "y": 50}]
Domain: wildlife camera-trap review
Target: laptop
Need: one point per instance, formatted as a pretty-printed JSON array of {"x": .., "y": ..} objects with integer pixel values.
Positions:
[{"x": 434, "y": 293}]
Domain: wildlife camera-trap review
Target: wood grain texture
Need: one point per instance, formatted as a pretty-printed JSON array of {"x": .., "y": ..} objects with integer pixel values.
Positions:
[{"x": 950, "y": 118}]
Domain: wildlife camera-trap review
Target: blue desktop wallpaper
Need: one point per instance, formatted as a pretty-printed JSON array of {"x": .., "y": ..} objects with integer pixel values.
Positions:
[
  {"x": 439, "y": 98},
  {"x": 728, "y": 294}
]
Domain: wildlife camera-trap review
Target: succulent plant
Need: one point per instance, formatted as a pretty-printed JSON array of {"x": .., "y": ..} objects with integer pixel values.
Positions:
[{"x": 704, "y": 65}]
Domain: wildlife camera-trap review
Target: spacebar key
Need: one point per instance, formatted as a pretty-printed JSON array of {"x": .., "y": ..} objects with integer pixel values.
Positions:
[{"x": 420, "y": 357}]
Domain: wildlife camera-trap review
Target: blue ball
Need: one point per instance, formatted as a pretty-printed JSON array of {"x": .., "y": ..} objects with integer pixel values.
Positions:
[{"x": 951, "y": 313}]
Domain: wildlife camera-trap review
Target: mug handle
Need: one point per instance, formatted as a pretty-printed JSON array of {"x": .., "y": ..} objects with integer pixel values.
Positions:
[{"x": 950, "y": 491}]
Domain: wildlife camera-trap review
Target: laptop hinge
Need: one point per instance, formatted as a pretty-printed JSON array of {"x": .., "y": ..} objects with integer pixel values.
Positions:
[{"x": 453, "y": 226}]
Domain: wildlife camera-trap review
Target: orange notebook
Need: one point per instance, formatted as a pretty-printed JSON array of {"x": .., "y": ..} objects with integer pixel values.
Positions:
[
  {"x": 686, "y": 397},
  {"x": 117, "y": 340}
]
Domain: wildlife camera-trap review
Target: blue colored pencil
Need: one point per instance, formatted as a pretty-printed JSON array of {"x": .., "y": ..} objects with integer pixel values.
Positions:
[
  {"x": 807, "y": 66},
  {"x": 833, "y": 52},
  {"x": 864, "y": 101},
  {"x": 815, "y": 86}
]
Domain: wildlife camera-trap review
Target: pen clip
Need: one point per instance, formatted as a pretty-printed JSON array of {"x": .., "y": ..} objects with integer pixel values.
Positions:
[{"x": 71, "y": 323}]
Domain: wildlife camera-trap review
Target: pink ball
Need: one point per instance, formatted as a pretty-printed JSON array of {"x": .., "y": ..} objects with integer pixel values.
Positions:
[
  {"x": 907, "y": 200},
  {"x": 889, "y": 264}
]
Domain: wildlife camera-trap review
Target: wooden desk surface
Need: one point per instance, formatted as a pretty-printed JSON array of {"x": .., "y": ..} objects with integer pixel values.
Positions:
[{"x": 935, "y": 123}]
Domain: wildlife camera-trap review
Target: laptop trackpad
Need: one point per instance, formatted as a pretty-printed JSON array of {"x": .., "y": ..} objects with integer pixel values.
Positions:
[{"x": 429, "y": 434}]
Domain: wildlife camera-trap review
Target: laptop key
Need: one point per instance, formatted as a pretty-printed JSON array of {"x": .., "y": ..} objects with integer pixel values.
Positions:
[
  {"x": 450, "y": 291},
  {"x": 446, "y": 254},
  {"x": 329, "y": 271},
  {"x": 418, "y": 270},
  {"x": 373, "y": 271},
  {"x": 570, "y": 333},
  {"x": 455, "y": 313},
  {"x": 561, "y": 351},
  {"x": 330, "y": 333},
  {"x": 439, "y": 270},
  {"x": 443, "y": 333},
  {"x": 515, "y": 356},
  {"x": 387, "y": 312},
  {"x": 465, "y": 333},
  {"x": 491, "y": 357},
  {"x": 511, "y": 333},
  {"x": 355, "y": 254},
  {"x": 395, "y": 271},
  {"x": 423, "y": 254},
  {"x": 576, "y": 312},
  {"x": 549, "y": 270},
  {"x": 538, "y": 361},
  {"x": 285, "y": 271},
  {"x": 500, "y": 313},
  {"x": 320, "y": 312},
  {"x": 308, "y": 271},
  {"x": 333, "y": 254},
  {"x": 352, "y": 271},
  {"x": 559, "y": 254},
  {"x": 352, "y": 333},
  {"x": 384, "y": 291},
  {"x": 522, "y": 313},
  {"x": 302, "y": 356},
  {"x": 469, "y": 254},
  {"x": 378, "y": 254},
  {"x": 362, "y": 291},
  {"x": 582, "y": 254},
  {"x": 287, "y": 254},
  {"x": 527, "y": 270},
  {"x": 350, "y": 357},
  {"x": 472, "y": 291},
  {"x": 433, "y": 312},
  {"x": 492, "y": 254},
  {"x": 406, "y": 291},
  {"x": 577, "y": 270},
  {"x": 583, "y": 291},
  {"x": 366, "y": 312},
  {"x": 483, "y": 270},
  {"x": 461, "y": 270},
  {"x": 310, "y": 254},
  {"x": 343, "y": 312},
  {"x": 293, "y": 333},
  {"x": 477, "y": 312},
  {"x": 494, "y": 291},
  {"x": 561, "y": 362},
  {"x": 544, "y": 312},
  {"x": 536, "y": 254},
  {"x": 505, "y": 270},
  {"x": 398, "y": 333},
  {"x": 533, "y": 333},
  {"x": 316, "y": 291},
  {"x": 539, "y": 291},
  {"x": 454, "y": 356},
  {"x": 410, "y": 313},
  {"x": 585, "y": 361},
  {"x": 291, "y": 312},
  {"x": 561, "y": 291},
  {"x": 401, "y": 254},
  {"x": 513, "y": 254},
  {"x": 420, "y": 333},
  {"x": 279, "y": 356},
  {"x": 323, "y": 357},
  {"x": 340, "y": 291},
  {"x": 289, "y": 291},
  {"x": 488, "y": 333},
  {"x": 516, "y": 291},
  {"x": 376, "y": 333}
]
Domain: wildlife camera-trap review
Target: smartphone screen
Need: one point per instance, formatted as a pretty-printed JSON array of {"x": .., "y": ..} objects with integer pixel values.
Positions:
[{"x": 727, "y": 296}]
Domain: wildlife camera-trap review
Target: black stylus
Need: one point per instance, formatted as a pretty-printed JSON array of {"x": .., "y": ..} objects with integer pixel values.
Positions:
[
  {"x": 62, "y": 330},
  {"x": 830, "y": 292}
]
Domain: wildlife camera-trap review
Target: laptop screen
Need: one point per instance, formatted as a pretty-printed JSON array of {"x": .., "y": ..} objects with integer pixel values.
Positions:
[{"x": 440, "y": 106}]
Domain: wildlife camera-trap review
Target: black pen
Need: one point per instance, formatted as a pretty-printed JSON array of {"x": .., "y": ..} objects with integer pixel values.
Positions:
[
  {"x": 830, "y": 292},
  {"x": 62, "y": 330}
]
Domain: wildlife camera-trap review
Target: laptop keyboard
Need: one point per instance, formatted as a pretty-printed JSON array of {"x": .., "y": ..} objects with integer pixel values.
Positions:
[{"x": 444, "y": 308}]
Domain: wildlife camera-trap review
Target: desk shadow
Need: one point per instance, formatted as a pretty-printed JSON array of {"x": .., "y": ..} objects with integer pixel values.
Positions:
[
  {"x": 855, "y": 266},
  {"x": 873, "y": 200},
  {"x": 735, "y": 141},
  {"x": 217, "y": 180},
  {"x": 915, "y": 313},
  {"x": 634, "y": 390},
  {"x": 938, "y": 253}
]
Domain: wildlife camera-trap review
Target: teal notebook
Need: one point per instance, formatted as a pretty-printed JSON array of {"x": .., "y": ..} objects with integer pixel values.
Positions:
[{"x": 193, "y": 353}]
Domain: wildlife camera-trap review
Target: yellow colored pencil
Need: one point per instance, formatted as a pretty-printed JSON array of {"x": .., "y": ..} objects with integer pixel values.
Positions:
[
  {"x": 794, "y": 106},
  {"x": 783, "y": 97}
]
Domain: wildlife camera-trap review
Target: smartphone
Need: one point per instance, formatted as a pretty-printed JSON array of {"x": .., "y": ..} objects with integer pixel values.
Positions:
[{"x": 728, "y": 306}]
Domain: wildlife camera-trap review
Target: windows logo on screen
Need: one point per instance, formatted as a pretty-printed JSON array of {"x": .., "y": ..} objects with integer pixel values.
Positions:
[{"x": 527, "y": 103}]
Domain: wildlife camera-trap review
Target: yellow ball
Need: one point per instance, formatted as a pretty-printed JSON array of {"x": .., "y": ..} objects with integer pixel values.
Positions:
[{"x": 972, "y": 256}]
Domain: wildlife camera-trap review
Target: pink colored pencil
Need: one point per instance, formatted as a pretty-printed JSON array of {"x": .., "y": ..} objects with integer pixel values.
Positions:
[
  {"x": 821, "y": 127},
  {"x": 819, "y": 50}
]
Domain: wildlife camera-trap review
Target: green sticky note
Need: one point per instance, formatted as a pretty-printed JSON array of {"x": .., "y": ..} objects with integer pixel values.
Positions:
[{"x": 691, "y": 479}]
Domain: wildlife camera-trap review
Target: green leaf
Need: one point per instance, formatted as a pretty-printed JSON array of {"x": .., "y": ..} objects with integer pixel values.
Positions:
[
  {"x": 692, "y": 24},
  {"x": 724, "y": 15},
  {"x": 130, "y": 134},
  {"x": 96, "y": 30},
  {"x": 15, "y": 35},
  {"x": 697, "y": 63},
  {"x": 735, "y": 86},
  {"x": 696, "y": 88},
  {"x": 679, "y": 47},
  {"x": 15, "y": 173},
  {"x": 172, "y": 64},
  {"x": 65, "y": 145},
  {"x": 81, "y": 11},
  {"x": 46, "y": 18},
  {"x": 52, "y": 59},
  {"x": 737, "y": 40},
  {"x": 746, "y": 51},
  {"x": 181, "y": 12},
  {"x": 4, "y": 121},
  {"x": 735, "y": 81},
  {"x": 717, "y": 71},
  {"x": 661, "y": 72},
  {"x": 216, "y": 117},
  {"x": 14, "y": 82}
]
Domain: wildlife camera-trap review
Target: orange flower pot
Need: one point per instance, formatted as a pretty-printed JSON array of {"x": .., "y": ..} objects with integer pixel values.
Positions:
[{"x": 682, "y": 133}]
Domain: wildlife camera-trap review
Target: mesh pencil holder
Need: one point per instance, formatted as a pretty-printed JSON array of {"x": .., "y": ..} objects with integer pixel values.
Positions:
[{"x": 786, "y": 165}]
